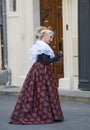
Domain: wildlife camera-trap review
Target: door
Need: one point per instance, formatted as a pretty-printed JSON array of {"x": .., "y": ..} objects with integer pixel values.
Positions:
[
  {"x": 51, "y": 16},
  {"x": 84, "y": 44}
]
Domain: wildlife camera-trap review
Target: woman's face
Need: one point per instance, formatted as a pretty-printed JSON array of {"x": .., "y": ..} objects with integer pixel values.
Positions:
[{"x": 48, "y": 38}]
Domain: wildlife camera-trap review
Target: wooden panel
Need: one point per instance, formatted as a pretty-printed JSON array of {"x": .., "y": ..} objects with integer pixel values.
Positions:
[
  {"x": 47, "y": 16},
  {"x": 59, "y": 65},
  {"x": 51, "y": 15},
  {"x": 46, "y": 12}
]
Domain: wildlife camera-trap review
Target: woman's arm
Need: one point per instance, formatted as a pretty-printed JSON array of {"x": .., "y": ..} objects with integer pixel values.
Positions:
[{"x": 46, "y": 58}]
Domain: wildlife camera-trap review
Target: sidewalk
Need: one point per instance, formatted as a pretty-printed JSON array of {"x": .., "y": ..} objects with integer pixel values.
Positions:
[{"x": 72, "y": 95}]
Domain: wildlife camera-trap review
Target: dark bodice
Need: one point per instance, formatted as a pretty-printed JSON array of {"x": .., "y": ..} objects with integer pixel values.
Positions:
[{"x": 46, "y": 58}]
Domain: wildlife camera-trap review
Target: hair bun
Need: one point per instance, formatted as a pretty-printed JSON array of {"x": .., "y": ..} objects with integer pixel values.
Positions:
[
  {"x": 50, "y": 28},
  {"x": 39, "y": 29}
]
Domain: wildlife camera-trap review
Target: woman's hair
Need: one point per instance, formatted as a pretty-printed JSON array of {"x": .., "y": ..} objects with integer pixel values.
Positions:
[
  {"x": 45, "y": 32},
  {"x": 38, "y": 31},
  {"x": 42, "y": 31}
]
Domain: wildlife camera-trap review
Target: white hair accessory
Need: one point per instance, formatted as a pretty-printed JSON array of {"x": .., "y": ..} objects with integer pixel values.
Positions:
[{"x": 47, "y": 31}]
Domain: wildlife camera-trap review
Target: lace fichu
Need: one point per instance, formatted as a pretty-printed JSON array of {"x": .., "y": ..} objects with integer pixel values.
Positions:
[{"x": 38, "y": 48}]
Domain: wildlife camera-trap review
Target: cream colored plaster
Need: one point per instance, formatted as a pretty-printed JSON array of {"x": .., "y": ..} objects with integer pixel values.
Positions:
[
  {"x": 75, "y": 66},
  {"x": 75, "y": 83},
  {"x": 20, "y": 30},
  {"x": 75, "y": 46},
  {"x": 70, "y": 43}
]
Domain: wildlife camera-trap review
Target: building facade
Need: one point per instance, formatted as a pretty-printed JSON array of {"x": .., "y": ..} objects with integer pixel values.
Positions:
[{"x": 22, "y": 17}]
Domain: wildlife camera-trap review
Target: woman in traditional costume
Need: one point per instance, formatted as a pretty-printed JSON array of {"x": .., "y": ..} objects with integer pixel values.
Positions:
[{"x": 39, "y": 102}]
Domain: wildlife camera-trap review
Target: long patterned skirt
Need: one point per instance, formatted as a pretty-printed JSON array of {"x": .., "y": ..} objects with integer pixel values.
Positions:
[{"x": 38, "y": 102}]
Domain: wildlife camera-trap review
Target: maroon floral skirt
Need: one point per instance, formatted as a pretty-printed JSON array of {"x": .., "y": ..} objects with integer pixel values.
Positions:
[{"x": 38, "y": 102}]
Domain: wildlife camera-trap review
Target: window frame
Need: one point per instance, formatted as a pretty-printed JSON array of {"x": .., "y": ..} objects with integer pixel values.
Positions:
[{"x": 12, "y": 13}]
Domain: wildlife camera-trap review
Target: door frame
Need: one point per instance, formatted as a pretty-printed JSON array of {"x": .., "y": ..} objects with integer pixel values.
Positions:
[{"x": 70, "y": 45}]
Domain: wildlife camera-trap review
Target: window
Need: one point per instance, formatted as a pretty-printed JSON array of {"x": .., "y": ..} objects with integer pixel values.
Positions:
[{"x": 12, "y": 5}]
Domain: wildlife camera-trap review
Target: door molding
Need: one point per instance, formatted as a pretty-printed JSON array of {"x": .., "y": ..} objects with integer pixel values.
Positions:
[{"x": 69, "y": 39}]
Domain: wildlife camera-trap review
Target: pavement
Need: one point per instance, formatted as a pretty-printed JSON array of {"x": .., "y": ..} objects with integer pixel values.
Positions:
[{"x": 65, "y": 94}]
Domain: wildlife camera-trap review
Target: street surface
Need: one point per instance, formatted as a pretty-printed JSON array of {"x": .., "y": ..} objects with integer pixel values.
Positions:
[{"x": 77, "y": 116}]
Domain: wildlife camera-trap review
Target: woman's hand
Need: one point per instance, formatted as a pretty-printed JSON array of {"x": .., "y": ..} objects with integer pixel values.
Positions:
[{"x": 60, "y": 54}]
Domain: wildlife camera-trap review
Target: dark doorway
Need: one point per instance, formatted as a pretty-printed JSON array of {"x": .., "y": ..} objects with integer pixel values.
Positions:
[{"x": 84, "y": 44}]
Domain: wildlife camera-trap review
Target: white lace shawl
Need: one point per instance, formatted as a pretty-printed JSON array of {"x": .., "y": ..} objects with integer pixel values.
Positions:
[{"x": 38, "y": 48}]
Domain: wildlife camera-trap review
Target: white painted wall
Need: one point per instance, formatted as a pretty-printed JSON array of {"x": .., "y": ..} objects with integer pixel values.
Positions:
[
  {"x": 70, "y": 43},
  {"x": 20, "y": 29}
]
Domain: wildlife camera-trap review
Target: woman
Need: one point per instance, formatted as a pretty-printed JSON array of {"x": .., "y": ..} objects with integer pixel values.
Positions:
[{"x": 38, "y": 102}]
